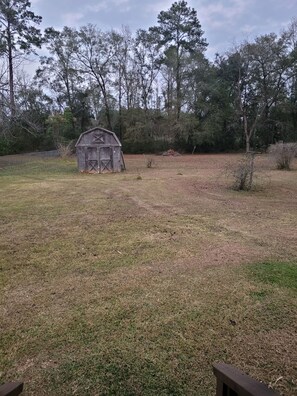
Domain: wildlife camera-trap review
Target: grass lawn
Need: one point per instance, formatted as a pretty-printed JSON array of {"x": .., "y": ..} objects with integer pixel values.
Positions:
[{"x": 135, "y": 283}]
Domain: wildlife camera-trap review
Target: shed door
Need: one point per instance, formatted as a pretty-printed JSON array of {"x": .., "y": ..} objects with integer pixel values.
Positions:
[
  {"x": 92, "y": 163},
  {"x": 106, "y": 159}
]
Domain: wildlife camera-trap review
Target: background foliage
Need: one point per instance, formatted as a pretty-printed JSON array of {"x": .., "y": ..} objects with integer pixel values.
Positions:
[{"x": 155, "y": 88}]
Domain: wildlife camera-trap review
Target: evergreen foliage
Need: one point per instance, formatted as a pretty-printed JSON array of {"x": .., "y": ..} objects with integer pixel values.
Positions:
[{"x": 17, "y": 35}]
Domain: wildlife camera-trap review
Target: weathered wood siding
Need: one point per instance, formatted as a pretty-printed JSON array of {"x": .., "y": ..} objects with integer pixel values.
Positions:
[{"x": 99, "y": 150}]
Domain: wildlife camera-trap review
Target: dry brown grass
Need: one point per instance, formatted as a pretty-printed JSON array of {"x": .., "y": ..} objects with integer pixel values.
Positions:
[{"x": 113, "y": 285}]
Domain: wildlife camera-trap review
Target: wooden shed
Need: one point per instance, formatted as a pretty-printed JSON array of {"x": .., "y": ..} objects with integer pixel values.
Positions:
[{"x": 99, "y": 150}]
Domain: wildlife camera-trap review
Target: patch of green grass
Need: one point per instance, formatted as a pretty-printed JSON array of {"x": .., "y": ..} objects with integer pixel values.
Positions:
[
  {"x": 281, "y": 274},
  {"x": 115, "y": 373},
  {"x": 40, "y": 168},
  {"x": 259, "y": 295}
]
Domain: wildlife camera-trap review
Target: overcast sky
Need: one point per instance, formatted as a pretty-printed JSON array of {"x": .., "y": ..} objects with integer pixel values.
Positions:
[{"x": 225, "y": 22}]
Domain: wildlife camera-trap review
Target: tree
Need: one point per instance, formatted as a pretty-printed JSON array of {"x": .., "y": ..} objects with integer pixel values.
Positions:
[
  {"x": 57, "y": 71},
  {"x": 17, "y": 35},
  {"x": 33, "y": 104},
  {"x": 124, "y": 80},
  {"x": 94, "y": 59},
  {"x": 180, "y": 35},
  {"x": 59, "y": 74},
  {"x": 287, "y": 110},
  {"x": 147, "y": 63},
  {"x": 270, "y": 70},
  {"x": 260, "y": 71}
]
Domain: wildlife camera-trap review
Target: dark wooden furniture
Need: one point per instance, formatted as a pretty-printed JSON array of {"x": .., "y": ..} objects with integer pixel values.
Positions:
[
  {"x": 233, "y": 382},
  {"x": 230, "y": 382},
  {"x": 11, "y": 389}
]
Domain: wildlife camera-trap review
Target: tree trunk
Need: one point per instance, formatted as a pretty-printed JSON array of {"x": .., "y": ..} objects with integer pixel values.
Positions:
[
  {"x": 10, "y": 71},
  {"x": 70, "y": 104},
  {"x": 120, "y": 105},
  {"x": 247, "y": 144},
  {"x": 251, "y": 159},
  {"x": 102, "y": 87},
  {"x": 107, "y": 112},
  {"x": 178, "y": 86},
  {"x": 246, "y": 133}
]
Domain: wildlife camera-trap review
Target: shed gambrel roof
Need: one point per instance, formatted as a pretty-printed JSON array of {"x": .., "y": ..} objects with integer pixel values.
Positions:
[{"x": 98, "y": 129}]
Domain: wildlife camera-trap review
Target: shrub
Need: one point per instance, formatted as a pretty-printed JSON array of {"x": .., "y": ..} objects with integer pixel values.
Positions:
[
  {"x": 6, "y": 147},
  {"x": 243, "y": 173},
  {"x": 150, "y": 162},
  {"x": 283, "y": 154},
  {"x": 65, "y": 149}
]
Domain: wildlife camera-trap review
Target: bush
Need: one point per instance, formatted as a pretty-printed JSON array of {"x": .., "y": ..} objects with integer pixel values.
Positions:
[
  {"x": 243, "y": 173},
  {"x": 6, "y": 147},
  {"x": 144, "y": 146},
  {"x": 150, "y": 162},
  {"x": 65, "y": 149},
  {"x": 283, "y": 154}
]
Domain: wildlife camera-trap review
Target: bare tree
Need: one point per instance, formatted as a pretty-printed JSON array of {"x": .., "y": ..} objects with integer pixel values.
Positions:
[
  {"x": 94, "y": 59},
  {"x": 262, "y": 69}
]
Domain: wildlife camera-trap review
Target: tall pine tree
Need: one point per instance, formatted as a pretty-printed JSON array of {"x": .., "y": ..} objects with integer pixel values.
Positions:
[
  {"x": 180, "y": 35},
  {"x": 17, "y": 35}
]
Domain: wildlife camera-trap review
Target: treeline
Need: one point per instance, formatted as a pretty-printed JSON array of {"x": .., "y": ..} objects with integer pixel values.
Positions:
[{"x": 155, "y": 88}]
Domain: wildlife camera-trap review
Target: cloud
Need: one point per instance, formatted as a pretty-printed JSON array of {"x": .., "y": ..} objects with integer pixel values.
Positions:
[
  {"x": 158, "y": 6},
  {"x": 248, "y": 28},
  {"x": 223, "y": 21},
  {"x": 290, "y": 4},
  {"x": 102, "y": 5},
  {"x": 72, "y": 18},
  {"x": 218, "y": 14},
  {"x": 105, "y": 5},
  {"x": 124, "y": 5},
  {"x": 120, "y": 2}
]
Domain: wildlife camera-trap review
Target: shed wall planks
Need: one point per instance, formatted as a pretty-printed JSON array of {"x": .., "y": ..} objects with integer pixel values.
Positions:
[{"x": 98, "y": 151}]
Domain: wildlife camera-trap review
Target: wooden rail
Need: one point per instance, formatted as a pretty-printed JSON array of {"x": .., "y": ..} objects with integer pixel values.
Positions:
[
  {"x": 230, "y": 382},
  {"x": 233, "y": 382},
  {"x": 11, "y": 389}
]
